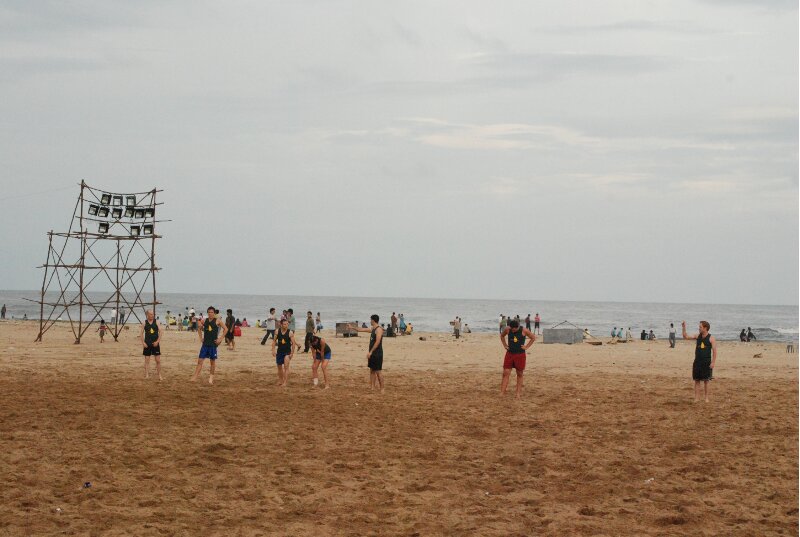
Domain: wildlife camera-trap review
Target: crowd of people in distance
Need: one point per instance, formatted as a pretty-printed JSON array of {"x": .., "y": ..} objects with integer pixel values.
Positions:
[{"x": 505, "y": 321}]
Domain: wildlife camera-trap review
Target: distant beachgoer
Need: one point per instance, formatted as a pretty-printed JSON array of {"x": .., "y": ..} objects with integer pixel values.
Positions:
[
  {"x": 619, "y": 333},
  {"x": 402, "y": 324},
  {"x": 705, "y": 357},
  {"x": 122, "y": 315},
  {"x": 322, "y": 357},
  {"x": 270, "y": 324},
  {"x": 283, "y": 345},
  {"x": 318, "y": 322},
  {"x": 230, "y": 321},
  {"x": 457, "y": 327},
  {"x": 671, "y": 336},
  {"x": 409, "y": 329},
  {"x": 528, "y": 322},
  {"x": 467, "y": 329},
  {"x": 186, "y": 323},
  {"x": 743, "y": 336},
  {"x": 24, "y": 316},
  {"x": 208, "y": 332},
  {"x": 3, "y": 312},
  {"x": 102, "y": 329},
  {"x": 309, "y": 330},
  {"x": 614, "y": 331},
  {"x": 513, "y": 340},
  {"x": 750, "y": 335},
  {"x": 503, "y": 323},
  {"x": 586, "y": 333},
  {"x": 394, "y": 322},
  {"x": 536, "y": 321},
  {"x": 151, "y": 343},
  {"x": 644, "y": 335},
  {"x": 651, "y": 336},
  {"x": 245, "y": 324},
  {"x": 628, "y": 335},
  {"x": 375, "y": 353},
  {"x": 292, "y": 323}
]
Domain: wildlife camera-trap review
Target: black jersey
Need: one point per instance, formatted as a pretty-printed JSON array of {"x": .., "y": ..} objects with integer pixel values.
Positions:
[
  {"x": 703, "y": 349},
  {"x": 150, "y": 332},
  {"x": 516, "y": 340},
  {"x": 210, "y": 332},
  {"x": 284, "y": 341},
  {"x": 372, "y": 337}
]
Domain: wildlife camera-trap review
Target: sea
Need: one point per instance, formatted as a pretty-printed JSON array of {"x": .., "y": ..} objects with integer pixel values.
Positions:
[{"x": 769, "y": 323}]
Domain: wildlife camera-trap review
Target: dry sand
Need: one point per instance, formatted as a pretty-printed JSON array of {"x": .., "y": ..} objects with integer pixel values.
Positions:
[{"x": 606, "y": 441}]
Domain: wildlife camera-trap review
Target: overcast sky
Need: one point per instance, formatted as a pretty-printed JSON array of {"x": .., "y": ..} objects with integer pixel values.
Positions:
[{"x": 631, "y": 150}]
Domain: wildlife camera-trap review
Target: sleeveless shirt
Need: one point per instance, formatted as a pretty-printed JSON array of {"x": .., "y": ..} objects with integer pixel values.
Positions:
[
  {"x": 515, "y": 341},
  {"x": 150, "y": 332},
  {"x": 377, "y": 353},
  {"x": 703, "y": 349},
  {"x": 210, "y": 332},
  {"x": 284, "y": 342}
]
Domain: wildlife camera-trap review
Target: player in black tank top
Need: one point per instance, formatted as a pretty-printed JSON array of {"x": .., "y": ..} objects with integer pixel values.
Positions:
[
  {"x": 705, "y": 358},
  {"x": 321, "y": 352},
  {"x": 151, "y": 343},
  {"x": 516, "y": 340},
  {"x": 209, "y": 334},
  {"x": 375, "y": 354},
  {"x": 283, "y": 345}
]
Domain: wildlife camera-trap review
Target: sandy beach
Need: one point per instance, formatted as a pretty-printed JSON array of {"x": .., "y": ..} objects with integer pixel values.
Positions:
[{"x": 605, "y": 441}]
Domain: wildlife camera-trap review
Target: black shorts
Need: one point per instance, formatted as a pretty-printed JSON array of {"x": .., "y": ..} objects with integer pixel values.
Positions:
[
  {"x": 536, "y": 325},
  {"x": 152, "y": 350},
  {"x": 375, "y": 362},
  {"x": 701, "y": 369},
  {"x": 229, "y": 335}
]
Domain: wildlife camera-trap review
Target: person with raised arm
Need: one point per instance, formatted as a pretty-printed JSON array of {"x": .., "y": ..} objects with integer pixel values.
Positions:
[
  {"x": 375, "y": 353},
  {"x": 705, "y": 358}
]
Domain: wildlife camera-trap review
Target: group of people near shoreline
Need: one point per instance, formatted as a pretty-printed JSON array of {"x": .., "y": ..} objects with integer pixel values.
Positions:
[{"x": 515, "y": 339}]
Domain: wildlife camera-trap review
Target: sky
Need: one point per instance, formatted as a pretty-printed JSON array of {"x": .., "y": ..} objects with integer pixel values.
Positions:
[{"x": 612, "y": 151}]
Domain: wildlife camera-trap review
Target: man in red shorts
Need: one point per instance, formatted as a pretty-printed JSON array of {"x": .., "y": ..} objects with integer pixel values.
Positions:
[{"x": 513, "y": 339}]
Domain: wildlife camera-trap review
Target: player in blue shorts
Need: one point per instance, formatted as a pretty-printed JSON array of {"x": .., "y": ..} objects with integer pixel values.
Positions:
[
  {"x": 283, "y": 345},
  {"x": 208, "y": 332},
  {"x": 322, "y": 357}
]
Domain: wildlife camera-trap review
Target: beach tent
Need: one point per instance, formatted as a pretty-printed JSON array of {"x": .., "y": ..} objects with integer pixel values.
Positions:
[{"x": 561, "y": 333}]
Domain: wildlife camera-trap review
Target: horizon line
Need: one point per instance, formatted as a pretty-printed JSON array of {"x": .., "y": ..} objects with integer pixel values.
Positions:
[{"x": 461, "y": 298}]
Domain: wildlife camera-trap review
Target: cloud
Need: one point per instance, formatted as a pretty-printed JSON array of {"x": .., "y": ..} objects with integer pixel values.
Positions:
[
  {"x": 553, "y": 66},
  {"x": 631, "y": 25},
  {"x": 767, "y": 5},
  {"x": 12, "y": 69}
]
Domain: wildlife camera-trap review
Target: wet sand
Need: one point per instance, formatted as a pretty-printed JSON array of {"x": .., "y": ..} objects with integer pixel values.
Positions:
[{"x": 606, "y": 441}]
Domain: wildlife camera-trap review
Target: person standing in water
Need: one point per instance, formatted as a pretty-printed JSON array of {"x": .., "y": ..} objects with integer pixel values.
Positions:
[
  {"x": 283, "y": 345},
  {"x": 208, "y": 332},
  {"x": 705, "y": 357},
  {"x": 513, "y": 340},
  {"x": 322, "y": 357},
  {"x": 375, "y": 353},
  {"x": 151, "y": 343}
]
